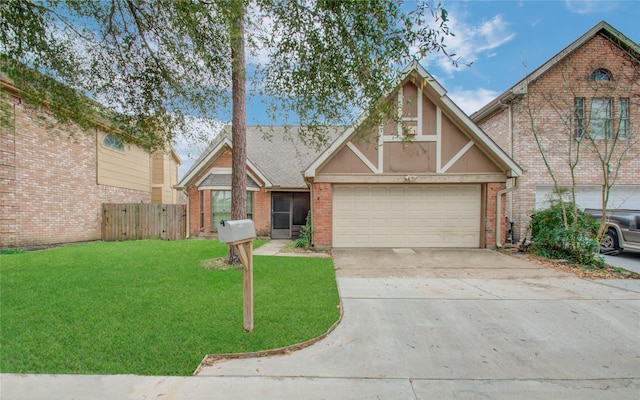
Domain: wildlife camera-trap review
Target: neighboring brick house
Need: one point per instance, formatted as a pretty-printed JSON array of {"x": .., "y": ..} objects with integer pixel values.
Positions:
[
  {"x": 277, "y": 195},
  {"x": 593, "y": 84},
  {"x": 54, "y": 177},
  {"x": 433, "y": 179}
]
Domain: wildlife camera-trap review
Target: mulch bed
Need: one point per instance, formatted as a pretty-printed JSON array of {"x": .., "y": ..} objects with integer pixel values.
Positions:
[{"x": 607, "y": 272}]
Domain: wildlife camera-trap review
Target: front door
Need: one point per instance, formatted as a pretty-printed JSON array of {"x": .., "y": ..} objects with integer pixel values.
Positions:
[
  {"x": 288, "y": 213},
  {"x": 280, "y": 215}
]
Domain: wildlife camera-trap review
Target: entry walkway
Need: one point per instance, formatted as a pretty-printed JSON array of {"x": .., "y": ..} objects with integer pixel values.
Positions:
[
  {"x": 423, "y": 324},
  {"x": 276, "y": 248}
]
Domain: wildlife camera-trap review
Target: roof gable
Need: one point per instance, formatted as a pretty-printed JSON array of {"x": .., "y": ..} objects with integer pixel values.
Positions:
[
  {"x": 437, "y": 138},
  {"x": 520, "y": 88}
]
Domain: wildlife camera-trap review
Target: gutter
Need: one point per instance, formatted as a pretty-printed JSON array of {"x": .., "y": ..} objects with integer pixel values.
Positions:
[
  {"x": 499, "y": 103},
  {"x": 499, "y": 208}
]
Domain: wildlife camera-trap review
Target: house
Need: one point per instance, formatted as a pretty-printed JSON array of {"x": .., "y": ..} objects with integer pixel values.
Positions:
[
  {"x": 430, "y": 179},
  {"x": 591, "y": 86},
  {"x": 433, "y": 179},
  {"x": 55, "y": 177},
  {"x": 277, "y": 196}
]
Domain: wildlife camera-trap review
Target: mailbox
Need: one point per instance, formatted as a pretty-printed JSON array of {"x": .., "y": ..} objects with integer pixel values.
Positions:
[{"x": 235, "y": 231}]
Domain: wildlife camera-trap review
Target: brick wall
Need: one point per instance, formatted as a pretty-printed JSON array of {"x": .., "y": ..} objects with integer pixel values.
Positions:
[
  {"x": 498, "y": 128},
  {"x": 492, "y": 190},
  {"x": 549, "y": 103},
  {"x": 262, "y": 212},
  {"x": 8, "y": 206},
  {"x": 322, "y": 214},
  {"x": 194, "y": 210},
  {"x": 48, "y": 188}
]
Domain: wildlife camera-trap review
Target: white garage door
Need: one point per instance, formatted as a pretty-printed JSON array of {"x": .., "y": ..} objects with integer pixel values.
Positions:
[
  {"x": 406, "y": 215},
  {"x": 590, "y": 196}
]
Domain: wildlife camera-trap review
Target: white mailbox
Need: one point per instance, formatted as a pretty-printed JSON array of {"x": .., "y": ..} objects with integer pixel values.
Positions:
[{"x": 235, "y": 231}]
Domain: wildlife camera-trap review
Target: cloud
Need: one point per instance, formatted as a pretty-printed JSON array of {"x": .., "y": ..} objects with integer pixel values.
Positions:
[
  {"x": 583, "y": 7},
  {"x": 189, "y": 145},
  {"x": 471, "y": 101},
  {"x": 473, "y": 41}
]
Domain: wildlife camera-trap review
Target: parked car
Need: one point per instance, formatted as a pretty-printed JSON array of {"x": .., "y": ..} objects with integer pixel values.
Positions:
[{"x": 623, "y": 230}]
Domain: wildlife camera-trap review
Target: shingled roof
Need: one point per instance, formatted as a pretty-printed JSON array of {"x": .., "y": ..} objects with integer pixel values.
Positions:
[{"x": 275, "y": 153}]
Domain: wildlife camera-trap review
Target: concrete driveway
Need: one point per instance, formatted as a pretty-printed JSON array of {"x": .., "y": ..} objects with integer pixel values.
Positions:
[
  {"x": 430, "y": 324},
  {"x": 628, "y": 259}
]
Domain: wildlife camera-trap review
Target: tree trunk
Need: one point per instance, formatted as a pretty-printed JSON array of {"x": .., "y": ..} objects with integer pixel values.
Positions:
[{"x": 239, "y": 121}]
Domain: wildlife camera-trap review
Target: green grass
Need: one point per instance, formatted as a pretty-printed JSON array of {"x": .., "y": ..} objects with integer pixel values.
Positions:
[{"x": 151, "y": 308}]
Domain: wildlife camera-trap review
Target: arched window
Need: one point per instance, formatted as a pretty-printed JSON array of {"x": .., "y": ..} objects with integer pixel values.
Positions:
[
  {"x": 600, "y": 75},
  {"x": 113, "y": 142}
]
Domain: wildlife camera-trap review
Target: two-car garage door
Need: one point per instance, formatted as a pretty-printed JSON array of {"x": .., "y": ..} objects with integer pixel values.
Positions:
[{"x": 406, "y": 215}]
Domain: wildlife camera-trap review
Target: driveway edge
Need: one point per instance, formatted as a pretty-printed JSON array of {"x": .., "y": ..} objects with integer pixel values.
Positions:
[{"x": 211, "y": 359}]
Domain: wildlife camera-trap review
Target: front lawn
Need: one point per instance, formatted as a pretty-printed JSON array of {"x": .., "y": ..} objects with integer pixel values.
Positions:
[{"x": 151, "y": 307}]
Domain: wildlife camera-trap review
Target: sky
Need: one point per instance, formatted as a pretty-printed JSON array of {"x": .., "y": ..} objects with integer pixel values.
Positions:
[{"x": 503, "y": 40}]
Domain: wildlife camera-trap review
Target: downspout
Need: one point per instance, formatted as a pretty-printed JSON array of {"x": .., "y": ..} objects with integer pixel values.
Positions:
[
  {"x": 499, "y": 208},
  {"x": 517, "y": 180}
]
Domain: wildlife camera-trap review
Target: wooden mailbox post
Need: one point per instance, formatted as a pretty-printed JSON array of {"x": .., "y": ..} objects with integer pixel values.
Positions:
[{"x": 240, "y": 234}]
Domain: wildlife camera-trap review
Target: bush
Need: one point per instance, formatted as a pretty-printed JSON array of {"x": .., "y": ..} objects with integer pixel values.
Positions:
[
  {"x": 577, "y": 244},
  {"x": 304, "y": 240}
]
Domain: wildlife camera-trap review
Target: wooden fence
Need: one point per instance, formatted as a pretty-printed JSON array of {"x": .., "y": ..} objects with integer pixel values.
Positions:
[{"x": 136, "y": 221}]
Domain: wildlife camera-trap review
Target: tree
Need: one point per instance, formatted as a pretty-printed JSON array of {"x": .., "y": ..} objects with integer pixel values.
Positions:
[
  {"x": 153, "y": 63},
  {"x": 579, "y": 116}
]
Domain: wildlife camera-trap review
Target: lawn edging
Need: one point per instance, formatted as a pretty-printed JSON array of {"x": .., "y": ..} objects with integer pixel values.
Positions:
[{"x": 211, "y": 359}]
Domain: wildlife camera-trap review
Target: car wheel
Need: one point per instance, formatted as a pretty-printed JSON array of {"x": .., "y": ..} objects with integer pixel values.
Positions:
[{"x": 609, "y": 243}]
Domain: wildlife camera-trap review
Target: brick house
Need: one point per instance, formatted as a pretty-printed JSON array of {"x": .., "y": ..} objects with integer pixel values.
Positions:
[
  {"x": 593, "y": 85},
  {"x": 54, "y": 177},
  {"x": 431, "y": 179},
  {"x": 277, "y": 196}
]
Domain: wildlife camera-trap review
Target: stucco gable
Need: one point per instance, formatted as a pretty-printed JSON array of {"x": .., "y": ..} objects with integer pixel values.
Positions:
[{"x": 435, "y": 135}]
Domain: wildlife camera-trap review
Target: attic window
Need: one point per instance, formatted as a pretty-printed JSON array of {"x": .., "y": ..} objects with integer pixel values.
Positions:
[
  {"x": 113, "y": 142},
  {"x": 600, "y": 75}
]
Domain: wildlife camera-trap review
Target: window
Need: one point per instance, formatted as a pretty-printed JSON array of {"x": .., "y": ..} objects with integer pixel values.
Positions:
[
  {"x": 578, "y": 117},
  {"x": 600, "y": 75},
  {"x": 623, "y": 131},
  {"x": 249, "y": 205},
  {"x": 221, "y": 207},
  {"x": 601, "y": 118},
  {"x": 113, "y": 142}
]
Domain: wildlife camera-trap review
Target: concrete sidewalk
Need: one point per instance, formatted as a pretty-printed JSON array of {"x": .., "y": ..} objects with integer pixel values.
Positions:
[{"x": 422, "y": 324}]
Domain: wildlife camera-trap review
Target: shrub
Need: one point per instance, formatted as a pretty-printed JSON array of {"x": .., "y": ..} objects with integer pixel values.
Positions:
[
  {"x": 304, "y": 240},
  {"x": 577, "y": 243}
]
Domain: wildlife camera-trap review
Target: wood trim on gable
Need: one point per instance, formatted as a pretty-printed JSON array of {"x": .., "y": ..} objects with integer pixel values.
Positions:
[{"x": 433, "y": 147}]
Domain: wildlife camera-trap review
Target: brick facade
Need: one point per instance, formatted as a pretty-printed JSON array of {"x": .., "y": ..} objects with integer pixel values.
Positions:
[
  {"x": 322, "y": 214},
  {"x": 555, "y": 90},
  {"x": 492, "y": 190},
  {"x": 48, "y": 189}
]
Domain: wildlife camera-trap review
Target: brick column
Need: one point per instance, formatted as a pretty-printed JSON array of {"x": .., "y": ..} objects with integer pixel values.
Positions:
[
  {"x": 322, "y": 214},
  {"x": 490, "y": 220}
]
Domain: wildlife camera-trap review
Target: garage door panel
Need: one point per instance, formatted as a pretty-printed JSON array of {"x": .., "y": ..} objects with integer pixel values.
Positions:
[{"x": 406, "y": 215}]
